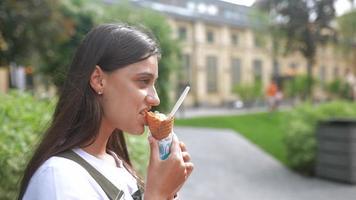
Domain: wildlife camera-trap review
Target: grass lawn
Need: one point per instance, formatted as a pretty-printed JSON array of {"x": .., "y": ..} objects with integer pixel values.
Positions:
[{"x": 263, "y": 129}]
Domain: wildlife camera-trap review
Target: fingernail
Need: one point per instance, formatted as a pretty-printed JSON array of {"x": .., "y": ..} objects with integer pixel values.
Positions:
[{"x": 150, "y": 139}]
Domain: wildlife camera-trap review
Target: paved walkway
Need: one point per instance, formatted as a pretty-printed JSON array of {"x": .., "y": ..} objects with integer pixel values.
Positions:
[
  {"x": 227, "y": 166},
  {"x": 203, "y": 111}
]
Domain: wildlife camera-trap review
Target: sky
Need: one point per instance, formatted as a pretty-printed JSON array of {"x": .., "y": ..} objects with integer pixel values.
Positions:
[{"x": 340, "y": 5}]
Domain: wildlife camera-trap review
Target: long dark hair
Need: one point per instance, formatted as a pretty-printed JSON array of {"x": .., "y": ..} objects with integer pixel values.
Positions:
[{"x": 78, "y": 114}]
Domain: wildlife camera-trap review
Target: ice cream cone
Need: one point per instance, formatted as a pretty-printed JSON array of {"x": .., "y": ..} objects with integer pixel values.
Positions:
[{"x": 159, "y": 125}]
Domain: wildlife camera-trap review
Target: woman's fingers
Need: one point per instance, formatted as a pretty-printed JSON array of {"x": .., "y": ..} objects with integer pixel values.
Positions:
[
  {"x": 182, "y": 146},
  {"x": 175, "y": 148},
  {"x": 189, "y": 168},
  {"x": 186, "y": 156},
  {"x": 153, "y": 148}
]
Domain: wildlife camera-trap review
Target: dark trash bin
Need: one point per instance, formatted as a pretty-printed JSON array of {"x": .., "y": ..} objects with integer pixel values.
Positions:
[{"x": 336, "y": 150}]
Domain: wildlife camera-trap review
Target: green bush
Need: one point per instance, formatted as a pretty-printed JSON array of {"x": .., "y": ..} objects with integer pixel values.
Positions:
[
  {"x": 139, "y": 152},
  {"x": 300, "y": 131},
  {"x": 297, "y": 86},
  {"x": 338, "y": 89},
  {"x": 22, "y": 119},
  {"x": 249, "y": 92}
]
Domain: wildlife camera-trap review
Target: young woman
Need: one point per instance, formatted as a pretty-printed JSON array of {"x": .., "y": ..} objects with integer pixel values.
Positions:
[{"x": 109, "y": 87}]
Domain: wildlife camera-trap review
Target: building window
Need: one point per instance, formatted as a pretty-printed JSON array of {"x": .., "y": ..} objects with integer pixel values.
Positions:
[
  {"x": 212, "y": 74},
  {"x": 210, "y": 37},
  {"x": 293, "y": 68},
  {"x": 182, "y": 33},
  {"x": 336, "y": 73},
  {"x": 235, "y": 39},
  {"x": 235, "y": 72},
  {"x": 322, "y": 74},
  {"x": 257, "y": 70},
  {"x": 212, "y": 10},
  {"x": 187, "y": 70},
  {"x": 258, "y": 41},
  {"x": 276, "y": 69}
]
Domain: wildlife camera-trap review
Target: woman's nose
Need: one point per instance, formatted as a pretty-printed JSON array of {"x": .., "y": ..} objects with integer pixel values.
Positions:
[{"x": 153, "y": 98}]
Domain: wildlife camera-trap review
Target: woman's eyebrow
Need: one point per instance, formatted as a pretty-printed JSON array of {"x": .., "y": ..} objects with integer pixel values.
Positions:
[{"x": 151, "y": 75}]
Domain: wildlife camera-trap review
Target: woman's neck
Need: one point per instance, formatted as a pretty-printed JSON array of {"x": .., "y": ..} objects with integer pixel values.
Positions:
[{"x": 98, "y": 147}]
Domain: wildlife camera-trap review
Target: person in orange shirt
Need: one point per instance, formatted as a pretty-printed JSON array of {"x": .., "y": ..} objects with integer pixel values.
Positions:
[{"x": 271, "y": 93}]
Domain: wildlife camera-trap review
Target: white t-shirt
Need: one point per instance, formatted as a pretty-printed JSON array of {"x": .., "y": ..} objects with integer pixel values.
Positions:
[{"x": 60, "y": 178}]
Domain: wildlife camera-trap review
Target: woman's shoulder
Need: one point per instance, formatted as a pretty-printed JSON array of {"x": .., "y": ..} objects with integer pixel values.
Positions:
[
  {"x": 56, "y": 164},
  {"x": 61, "y": 177}
]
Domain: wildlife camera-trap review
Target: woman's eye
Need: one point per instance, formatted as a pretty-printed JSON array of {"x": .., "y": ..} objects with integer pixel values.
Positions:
[{"x": 144, "y": 82}]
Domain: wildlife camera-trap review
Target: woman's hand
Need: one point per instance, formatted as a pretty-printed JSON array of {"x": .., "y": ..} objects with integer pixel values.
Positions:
[{"x": 166, "y": 177}]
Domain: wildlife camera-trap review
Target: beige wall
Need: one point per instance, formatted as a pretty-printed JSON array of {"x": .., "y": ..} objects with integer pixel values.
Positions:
[
  {"x": 4, "y": 80},
  {"x": 223, "y": 49}
]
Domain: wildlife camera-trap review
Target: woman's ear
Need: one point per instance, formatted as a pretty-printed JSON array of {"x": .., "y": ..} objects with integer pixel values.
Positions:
[{"x": 96, "y": 80}]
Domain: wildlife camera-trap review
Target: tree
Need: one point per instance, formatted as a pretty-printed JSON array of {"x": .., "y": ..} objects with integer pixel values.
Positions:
[
  {"x": 77, "y": 20},
  {"x": 347, "y": 33},
  {"x": 264, "y": 27},
  {"x": 27, "y": 27},
  {"x": 306, "y": 24}
]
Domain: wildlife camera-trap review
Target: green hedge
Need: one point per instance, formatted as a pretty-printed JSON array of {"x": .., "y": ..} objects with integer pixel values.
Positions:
[
  {"x": 139, "y": 152},
  {"x": 250, "y": 91},
  {"x": 301, "y": 125},
  {"x": 22, "y": 119}
]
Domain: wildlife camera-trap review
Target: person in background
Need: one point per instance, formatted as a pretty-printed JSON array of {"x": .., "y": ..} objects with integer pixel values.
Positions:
[
  {"x": 350, "y": 84},
  {"x": 271, "y": 93}
]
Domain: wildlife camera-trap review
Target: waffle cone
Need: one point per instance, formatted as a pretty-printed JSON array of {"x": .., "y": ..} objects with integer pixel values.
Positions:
[{"x": 159, "y": 128}]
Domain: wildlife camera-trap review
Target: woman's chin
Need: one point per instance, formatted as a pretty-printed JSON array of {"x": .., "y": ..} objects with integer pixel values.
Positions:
[{"x": 137, "y": 131}]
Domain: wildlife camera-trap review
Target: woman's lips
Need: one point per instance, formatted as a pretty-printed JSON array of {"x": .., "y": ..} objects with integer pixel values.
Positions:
[{"x": 144, "y": 113}]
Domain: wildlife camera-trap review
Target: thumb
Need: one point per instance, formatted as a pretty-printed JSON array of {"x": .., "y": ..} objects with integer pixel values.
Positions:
[
  {"x": 153, "y": 148},
  {"x": 175, "y": 145}
]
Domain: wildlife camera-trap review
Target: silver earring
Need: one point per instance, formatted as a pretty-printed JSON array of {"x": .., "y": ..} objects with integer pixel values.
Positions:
[{"x": 100, "y": 92}]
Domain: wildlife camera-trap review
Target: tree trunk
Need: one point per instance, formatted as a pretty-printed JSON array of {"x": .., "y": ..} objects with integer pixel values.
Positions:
[{"x": 309, "y": 92}]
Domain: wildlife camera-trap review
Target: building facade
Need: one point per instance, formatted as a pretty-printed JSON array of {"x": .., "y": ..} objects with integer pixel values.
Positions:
[{"x": 220, "y": 50}]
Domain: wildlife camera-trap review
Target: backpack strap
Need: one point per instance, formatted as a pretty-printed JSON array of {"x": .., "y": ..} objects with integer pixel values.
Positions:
[
  {"x": 110, "y": 189},
  {"x": 138, "y": 195}
]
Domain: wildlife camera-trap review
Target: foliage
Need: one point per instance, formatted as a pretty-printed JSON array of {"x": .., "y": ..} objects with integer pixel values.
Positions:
[
  {"x": 347, "y": 26},
  {"x": 306, "y": 23},
  {"x": 297, "y": 86},
  {"x": 347, "y": 33},
  {"x": 77, "y": 20},
  {"x": 300, "y": 132},
  {"x": 22, "y": 119},
  {"x": 288, "y": 136},
  {"x": 27, "y": 28},
  {"x": 265, "y": 28},
  {"x": 260, "y": 25},
  {"x": 139, "y": 152},
  {"x": 249, "y": 92},
  {"x": 338, "y": 89}
]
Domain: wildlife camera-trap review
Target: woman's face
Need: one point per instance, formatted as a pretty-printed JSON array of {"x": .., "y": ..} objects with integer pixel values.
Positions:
[{"x": 128, "y": 92}]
